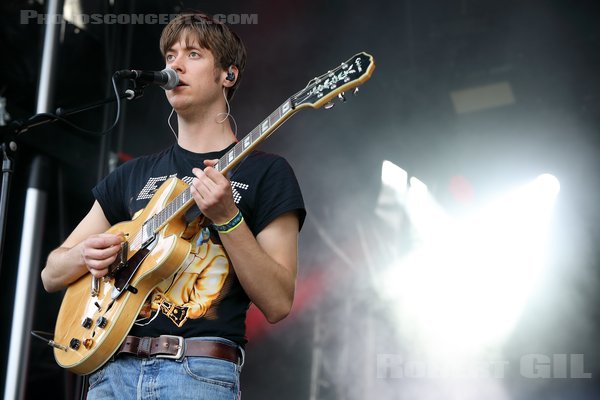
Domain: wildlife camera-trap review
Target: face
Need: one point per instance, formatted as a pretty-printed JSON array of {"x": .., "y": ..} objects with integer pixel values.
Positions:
[{"x": 200, "y": 83}]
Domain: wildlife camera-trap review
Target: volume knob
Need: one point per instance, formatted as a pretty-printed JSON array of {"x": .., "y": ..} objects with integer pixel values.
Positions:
[
  {"x": 101, "y": 322},
  {"x": 87, "y": 323},
  {"x": 74, "y": 343}
]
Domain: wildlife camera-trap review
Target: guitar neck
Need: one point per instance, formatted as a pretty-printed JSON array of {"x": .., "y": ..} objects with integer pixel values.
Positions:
[
  {"x": 256, "y": 136},
  {"x": 180, "y": 204}
]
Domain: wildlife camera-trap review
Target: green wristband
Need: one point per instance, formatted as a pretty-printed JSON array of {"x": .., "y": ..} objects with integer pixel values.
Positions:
[{"x": 231, "y": 224}]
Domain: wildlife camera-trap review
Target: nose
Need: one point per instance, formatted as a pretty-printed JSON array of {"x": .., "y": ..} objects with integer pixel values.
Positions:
[{"x": 177, "y": 64}]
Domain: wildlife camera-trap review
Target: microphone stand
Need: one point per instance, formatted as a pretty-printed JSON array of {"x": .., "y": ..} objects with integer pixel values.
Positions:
[{"x": 8, "y": 146}]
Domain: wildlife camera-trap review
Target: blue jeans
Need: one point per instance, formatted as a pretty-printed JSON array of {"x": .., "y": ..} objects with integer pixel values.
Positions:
[{"x": 128, "y": 377}]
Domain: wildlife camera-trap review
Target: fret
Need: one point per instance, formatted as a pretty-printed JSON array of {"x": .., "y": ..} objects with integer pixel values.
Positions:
[
  {"x": 224, "y": 161},
  {"x": 222, "y": 164},
  {"x": 264, "y": 126},
  {"x": 255, "y": 134},
  {"x": 239, "y": 149},
  {"x": 273, "y": 118},
  {"x": 277, "y": 112},
  {"x": 247, "y": 141}
]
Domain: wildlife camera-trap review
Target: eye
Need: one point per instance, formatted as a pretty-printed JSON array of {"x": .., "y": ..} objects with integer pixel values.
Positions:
[
  {"x": 169, "y": 57},
  {"x": 194, "y": 54}
]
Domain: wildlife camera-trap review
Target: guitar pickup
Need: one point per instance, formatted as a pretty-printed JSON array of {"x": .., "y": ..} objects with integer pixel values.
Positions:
[
  {"x": 121, "y": 260},
  {"x": 148, "y": 232}
]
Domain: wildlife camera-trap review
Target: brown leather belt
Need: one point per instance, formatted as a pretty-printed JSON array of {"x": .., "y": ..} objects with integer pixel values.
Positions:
[{"x": 176, "y": 347}]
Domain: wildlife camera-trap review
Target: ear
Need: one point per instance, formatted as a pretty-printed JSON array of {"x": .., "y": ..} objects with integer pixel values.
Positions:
[{"x": 229, "y": 82}]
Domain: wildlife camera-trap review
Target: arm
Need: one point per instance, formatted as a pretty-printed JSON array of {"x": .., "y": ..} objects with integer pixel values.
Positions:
[
  {"x": 86, "y": 249},
  {"x": 266, "y": 265}
]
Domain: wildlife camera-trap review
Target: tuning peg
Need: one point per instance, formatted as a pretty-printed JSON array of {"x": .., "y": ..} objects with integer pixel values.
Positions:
[
  {"x": 329, "y": 105},
  {"x": 355, "y": 92},
  {"x": 313, "y": 81},
  {"x": 342, "y": 97}
]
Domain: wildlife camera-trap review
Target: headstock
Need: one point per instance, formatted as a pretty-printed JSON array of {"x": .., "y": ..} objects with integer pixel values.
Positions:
[{"x": 348, "y": 75}]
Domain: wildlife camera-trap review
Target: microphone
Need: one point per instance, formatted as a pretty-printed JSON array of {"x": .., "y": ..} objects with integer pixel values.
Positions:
[{"x": 166, "y": 79}]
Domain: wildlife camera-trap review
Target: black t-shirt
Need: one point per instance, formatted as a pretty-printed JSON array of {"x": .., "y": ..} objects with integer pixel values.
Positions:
[{"x": 204, "y": 298}]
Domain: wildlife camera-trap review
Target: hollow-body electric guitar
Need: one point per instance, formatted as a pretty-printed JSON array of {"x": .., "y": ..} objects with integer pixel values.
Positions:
[{"x": 96, "y": 314}]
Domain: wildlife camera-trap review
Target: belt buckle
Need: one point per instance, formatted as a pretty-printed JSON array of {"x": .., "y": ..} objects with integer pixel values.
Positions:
[{"x": 180, "y": 350}]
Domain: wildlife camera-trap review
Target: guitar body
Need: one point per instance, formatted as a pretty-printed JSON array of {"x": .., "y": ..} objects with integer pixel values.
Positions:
[{"x": 98, "y": 343}]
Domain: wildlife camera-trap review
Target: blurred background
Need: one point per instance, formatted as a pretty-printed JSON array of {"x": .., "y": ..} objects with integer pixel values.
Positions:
[{"x": 451, "y": 245}]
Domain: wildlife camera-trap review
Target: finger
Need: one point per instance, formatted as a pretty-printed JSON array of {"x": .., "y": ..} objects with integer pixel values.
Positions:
[
  {"x": 197, "y": 196},
  {"x": 204, "y": 181},
  {"x": 211, "y": 163},
  {"x": 101, "y": 264},
  {"x": 100, "y": 267},
  {"x": 215, "y": 175},
  {"x": 99, "y": 273},
  {"x": 101, "y": 254},
  {"x": 104, "y": 240}
]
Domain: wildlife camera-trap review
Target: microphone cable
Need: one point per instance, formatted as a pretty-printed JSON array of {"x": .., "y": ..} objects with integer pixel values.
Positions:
[{"x": 53, "y": 117}]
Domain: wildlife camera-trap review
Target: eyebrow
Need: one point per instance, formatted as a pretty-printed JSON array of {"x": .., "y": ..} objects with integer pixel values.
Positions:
[{"x": 186, "y": 47}]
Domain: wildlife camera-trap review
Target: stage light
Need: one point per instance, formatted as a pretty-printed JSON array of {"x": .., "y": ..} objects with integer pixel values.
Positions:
[
  {"x": 393, "y": 176},
  {"x": 463, "y": 286},
  {"x": 392, "y": 195},
  {"x": 72, "y": 13}
]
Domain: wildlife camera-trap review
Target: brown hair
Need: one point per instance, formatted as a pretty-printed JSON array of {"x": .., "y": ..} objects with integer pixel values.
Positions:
[{"x": 226, "y": 47}]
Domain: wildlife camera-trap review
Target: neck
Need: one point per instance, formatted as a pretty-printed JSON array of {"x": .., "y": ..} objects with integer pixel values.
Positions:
[{"x": 202, "y": 132}]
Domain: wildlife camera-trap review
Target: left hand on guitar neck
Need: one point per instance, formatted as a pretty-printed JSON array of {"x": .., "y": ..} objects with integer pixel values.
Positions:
[{"x": 212, "y": 192}]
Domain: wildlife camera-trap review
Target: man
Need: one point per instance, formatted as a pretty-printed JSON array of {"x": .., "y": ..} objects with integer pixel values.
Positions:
[{"x": 247, "y": 254}]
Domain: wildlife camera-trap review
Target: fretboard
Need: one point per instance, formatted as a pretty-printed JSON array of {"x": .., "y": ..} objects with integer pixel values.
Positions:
[
  {"x": 257, "y": 135},
  {"x": 184, "y": 200}
]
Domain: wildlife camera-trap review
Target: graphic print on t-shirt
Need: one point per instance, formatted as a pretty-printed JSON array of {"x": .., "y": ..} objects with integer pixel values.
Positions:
[
  {"x": 154, "y": 183},
  {"x": 195, "y": 290},
  {"x": 191, "y": 292}
]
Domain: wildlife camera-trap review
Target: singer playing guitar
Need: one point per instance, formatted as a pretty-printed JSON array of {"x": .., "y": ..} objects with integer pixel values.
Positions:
[{"x": 243, "y": 248}]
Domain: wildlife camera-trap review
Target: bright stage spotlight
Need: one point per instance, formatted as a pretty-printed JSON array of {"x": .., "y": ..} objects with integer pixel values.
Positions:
[{"x": 464, "y": 285}]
